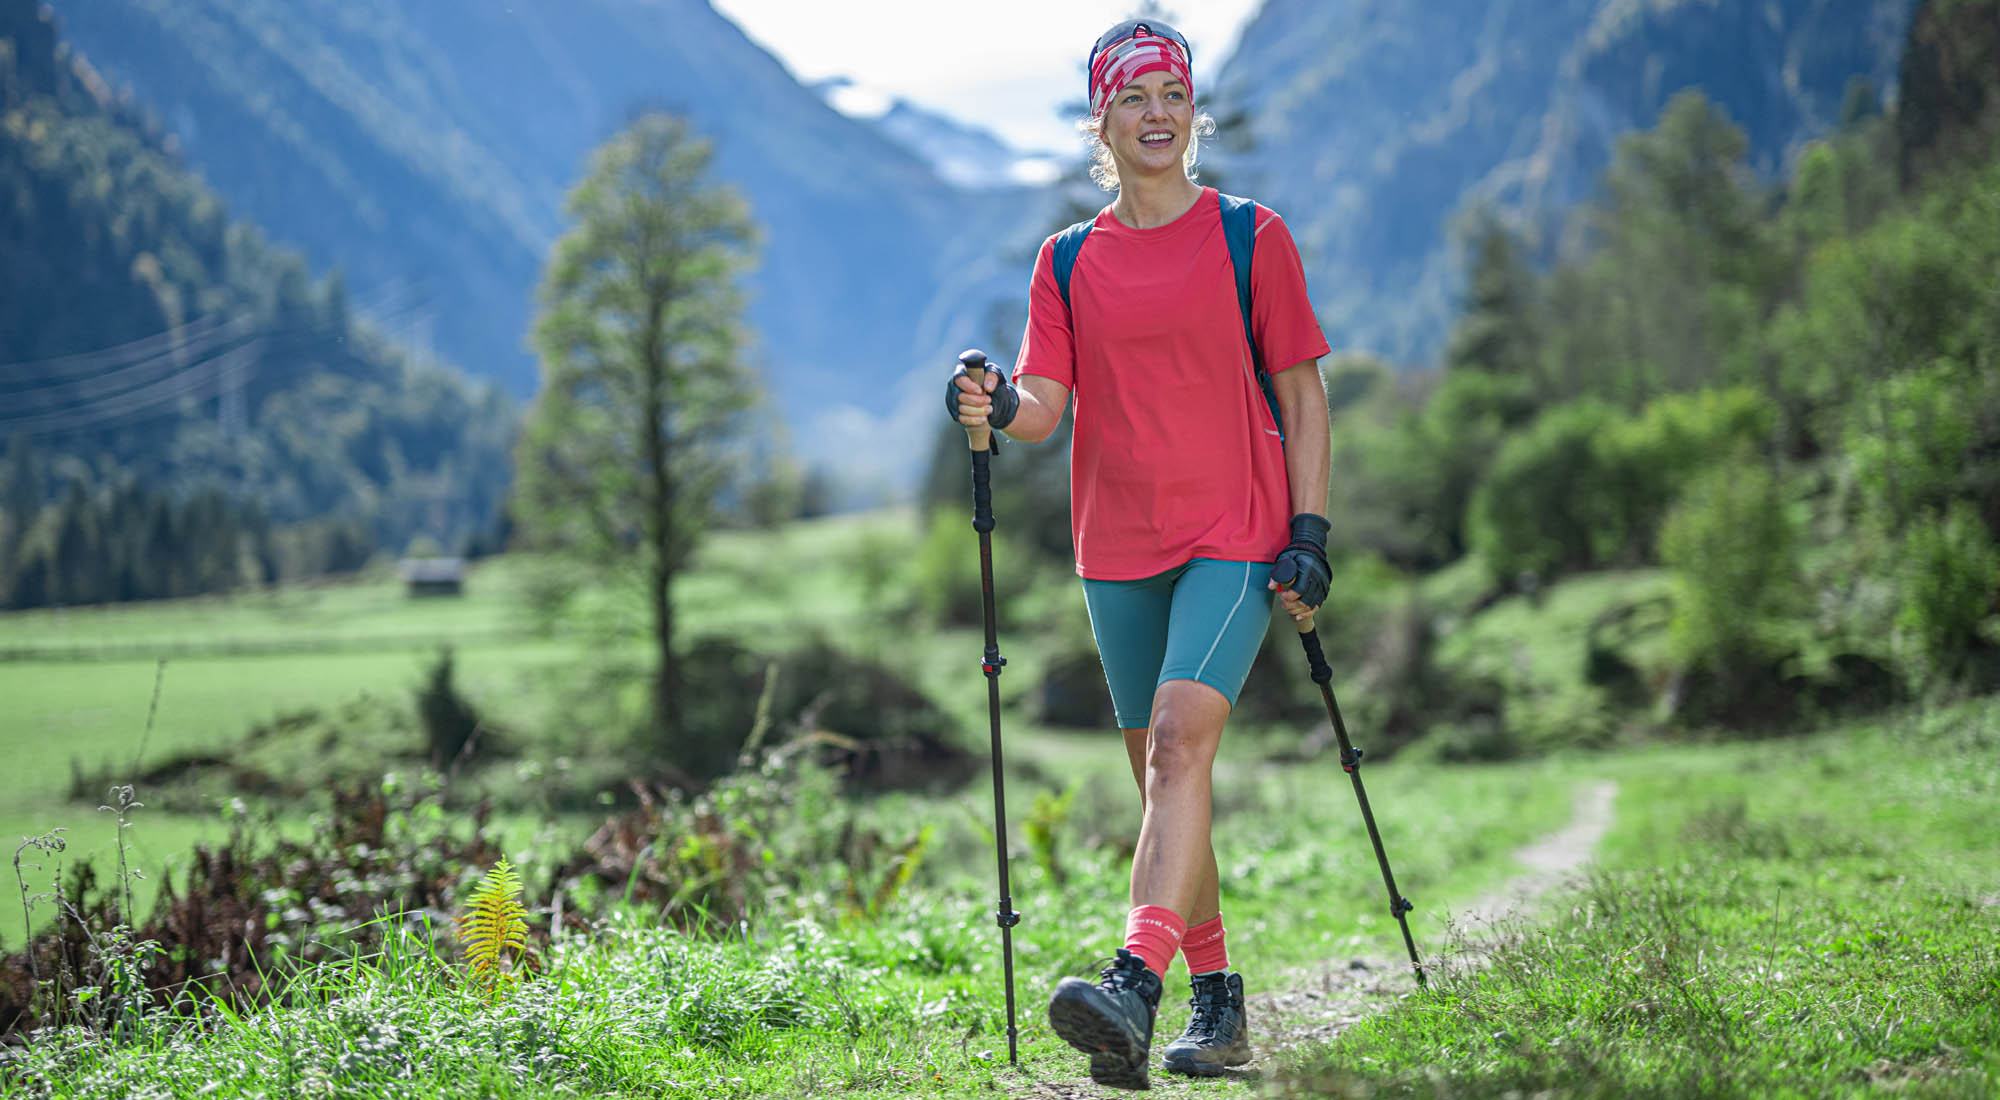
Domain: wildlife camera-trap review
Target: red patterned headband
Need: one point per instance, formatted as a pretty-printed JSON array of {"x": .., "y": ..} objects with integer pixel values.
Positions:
[{"x": 1123, "y": 62}]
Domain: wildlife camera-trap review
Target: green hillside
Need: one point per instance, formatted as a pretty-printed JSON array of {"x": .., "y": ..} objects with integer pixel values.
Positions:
[{"x": 151, "y": 348}]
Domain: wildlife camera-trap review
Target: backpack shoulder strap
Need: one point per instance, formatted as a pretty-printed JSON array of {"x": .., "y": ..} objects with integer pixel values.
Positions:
[
  {"x": 1239, "y": 228},
  {"x": 1068, "y": 243}
]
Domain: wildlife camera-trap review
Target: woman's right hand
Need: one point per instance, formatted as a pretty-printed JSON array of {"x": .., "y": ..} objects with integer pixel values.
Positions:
[{"x": 974, "y": 406}]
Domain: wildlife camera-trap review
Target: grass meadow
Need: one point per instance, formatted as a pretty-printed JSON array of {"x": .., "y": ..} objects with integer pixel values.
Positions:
[
  {"x": 302, "y": 679},
  {"x": 1810, "y": 915}
]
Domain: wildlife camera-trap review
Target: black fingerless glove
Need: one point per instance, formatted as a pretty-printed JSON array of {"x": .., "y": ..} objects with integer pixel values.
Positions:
[
  {"x": 1304, "y": 559},
  {"x": 1006, "y": 400}
]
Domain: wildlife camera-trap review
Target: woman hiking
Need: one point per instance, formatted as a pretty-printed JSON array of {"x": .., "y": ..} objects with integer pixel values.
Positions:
[{"x": 1184, "y": 495}]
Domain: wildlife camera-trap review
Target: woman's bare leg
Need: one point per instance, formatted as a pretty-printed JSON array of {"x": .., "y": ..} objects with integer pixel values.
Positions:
[
  {"x": 1208, "y": 898},
  {"x": 1174, "y": 866}
]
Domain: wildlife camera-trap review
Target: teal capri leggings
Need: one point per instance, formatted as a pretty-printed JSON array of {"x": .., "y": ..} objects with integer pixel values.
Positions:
[{"x": 1201, "y": 621}]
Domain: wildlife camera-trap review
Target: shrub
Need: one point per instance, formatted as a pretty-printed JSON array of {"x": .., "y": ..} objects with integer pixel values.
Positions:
[
  {"x": 1907, "y": 438},
  {"x": 243, "y": 918},
  {"x": 1463, "y": 426},
  {"x": 1648, "y": 460},
  {"x": 1949, "y": 573},
  {"x": 450, "y": 723},
  {"x": 1587, "y": 487},
  {"x": 1730, "y": 544},
  {"x": 1545, "y": 508},
  {"x": 944, "y": 574},
  {"x": 866, "y": 720}
]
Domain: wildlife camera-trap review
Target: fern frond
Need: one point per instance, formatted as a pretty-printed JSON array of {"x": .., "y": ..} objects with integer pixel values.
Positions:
[{"x": 493, "y": 930}]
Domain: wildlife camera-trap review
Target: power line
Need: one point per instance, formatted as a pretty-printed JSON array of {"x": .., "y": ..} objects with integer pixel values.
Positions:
[
  {"x": 133, "y": 405},
  {"x": 52, "y": 393},
  {"x": 86, "y": 362}
]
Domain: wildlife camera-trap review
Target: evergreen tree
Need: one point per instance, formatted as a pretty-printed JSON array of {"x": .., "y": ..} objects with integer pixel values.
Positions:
[
  {"x": 1684, "y": 268},
  {"x": 1948, "y": 104},
  {"x": 1499, "y": 331}
]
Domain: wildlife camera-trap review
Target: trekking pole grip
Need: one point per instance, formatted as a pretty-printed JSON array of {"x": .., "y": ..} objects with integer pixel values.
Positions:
[
  {"x": 974, "y": 362},
  {"x": 1322, "y": 672}
]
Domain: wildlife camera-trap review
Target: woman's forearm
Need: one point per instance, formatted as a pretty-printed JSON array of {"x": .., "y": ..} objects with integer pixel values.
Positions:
[
  {"x": 1042, "y": 404},
  {"x": 1308, "y": 438}
]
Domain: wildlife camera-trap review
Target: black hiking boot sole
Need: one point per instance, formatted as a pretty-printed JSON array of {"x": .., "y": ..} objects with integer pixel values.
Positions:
[
  {"x": 1117, "y": 1056},
  {"x": 1186, "y": 1063}
]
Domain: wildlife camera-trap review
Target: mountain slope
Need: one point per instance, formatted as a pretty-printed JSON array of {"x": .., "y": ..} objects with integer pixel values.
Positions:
[
  {"x": 147, "y": 334},
  {"x": 426, "y": 149},
  {"x": 1377, "y": 124}
]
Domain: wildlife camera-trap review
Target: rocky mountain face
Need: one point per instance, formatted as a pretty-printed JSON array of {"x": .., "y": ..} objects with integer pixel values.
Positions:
[
  {"x": 964, "y": 154},
  {"x": 426, "y": 148},
  {"x": 1375, "y": 126}
]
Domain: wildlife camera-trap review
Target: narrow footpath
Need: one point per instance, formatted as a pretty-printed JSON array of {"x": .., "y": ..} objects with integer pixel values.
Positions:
[{"x": 1318, "y": 1004}]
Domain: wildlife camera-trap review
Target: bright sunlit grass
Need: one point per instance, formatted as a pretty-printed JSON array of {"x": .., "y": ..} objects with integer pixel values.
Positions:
[{"x": 1799, "y": 918}]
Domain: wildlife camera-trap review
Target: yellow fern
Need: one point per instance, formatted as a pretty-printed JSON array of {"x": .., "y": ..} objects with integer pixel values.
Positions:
[{"x": 493, "y": 931}]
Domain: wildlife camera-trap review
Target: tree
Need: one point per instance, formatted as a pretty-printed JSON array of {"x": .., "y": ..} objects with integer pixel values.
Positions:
[
  {"x": 1500, "y": 331},
  {"x": 625, "y": 449},
  {"x": 1948, "y": 106},
  {"x": 1681, "y": 268}
]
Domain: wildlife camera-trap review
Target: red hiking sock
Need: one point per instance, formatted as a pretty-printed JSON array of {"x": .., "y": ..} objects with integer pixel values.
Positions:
[
  {"x": 1154, "y": 933},
  {"x": 1203, "y": 949}
]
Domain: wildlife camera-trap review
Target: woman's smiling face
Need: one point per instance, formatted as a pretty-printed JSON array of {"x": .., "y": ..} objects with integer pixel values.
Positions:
[{"x": 1148, "y": 125}]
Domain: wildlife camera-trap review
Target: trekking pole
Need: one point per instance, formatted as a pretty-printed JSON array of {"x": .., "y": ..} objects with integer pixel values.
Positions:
[
  {"x": 1350, "y": 762},
  {"x": 981, "y": 442}
]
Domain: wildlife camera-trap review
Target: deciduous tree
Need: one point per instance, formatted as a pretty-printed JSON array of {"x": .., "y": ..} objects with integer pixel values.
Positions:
[{"x": 643, "y": 385}]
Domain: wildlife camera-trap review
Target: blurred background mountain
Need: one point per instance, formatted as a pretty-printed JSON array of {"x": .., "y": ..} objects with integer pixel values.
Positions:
[
  {"x": 1377, "y": 126},
  {"x": 288, "y": 252},
  {"x": 424, "y": 151}
]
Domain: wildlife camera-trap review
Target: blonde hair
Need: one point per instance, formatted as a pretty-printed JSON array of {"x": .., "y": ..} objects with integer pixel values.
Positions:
[{"x": 1104, "y": 170}]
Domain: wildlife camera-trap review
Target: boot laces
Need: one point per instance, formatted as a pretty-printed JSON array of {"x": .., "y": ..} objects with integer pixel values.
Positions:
[
  {"x": 1207, "y": 1015},
  {"x": 1210, "y": 1001},
  {"x": 1120, "y": 973}
]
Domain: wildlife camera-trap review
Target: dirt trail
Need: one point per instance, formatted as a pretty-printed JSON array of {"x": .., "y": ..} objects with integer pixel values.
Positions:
[
  {"x": 1550, "y": 859},
  {"x": 1321, "y": 1002}
]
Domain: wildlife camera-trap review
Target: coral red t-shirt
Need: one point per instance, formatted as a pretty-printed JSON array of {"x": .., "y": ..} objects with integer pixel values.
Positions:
[{"x": 1175, "y": 455}]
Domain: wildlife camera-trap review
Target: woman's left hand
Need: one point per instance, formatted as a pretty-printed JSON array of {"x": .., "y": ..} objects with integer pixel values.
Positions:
[{"x": 1294, "y": 606}]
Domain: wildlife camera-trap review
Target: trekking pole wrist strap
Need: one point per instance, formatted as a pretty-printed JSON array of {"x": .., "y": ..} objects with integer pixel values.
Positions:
[{"x": 1311, "y": 529}]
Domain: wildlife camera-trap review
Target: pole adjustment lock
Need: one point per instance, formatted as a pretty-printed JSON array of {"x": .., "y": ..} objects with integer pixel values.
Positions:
[
  {"x": 1350, "y": 760},
  {"x": 1006, "y": 918},
  {"x": 993, "y": 662}
]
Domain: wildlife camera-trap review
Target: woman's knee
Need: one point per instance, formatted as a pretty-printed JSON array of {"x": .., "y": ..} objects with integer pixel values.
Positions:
[{"x": 1182, "y": 747}]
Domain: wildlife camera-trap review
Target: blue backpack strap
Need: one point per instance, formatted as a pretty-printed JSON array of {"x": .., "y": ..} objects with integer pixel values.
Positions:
[
  {"x": 1068, "y": 243},
  {"x": 1239, "y": 228}
]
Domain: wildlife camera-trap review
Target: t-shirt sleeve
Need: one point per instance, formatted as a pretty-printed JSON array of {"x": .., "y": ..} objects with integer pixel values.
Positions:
[
  {"x": 1048, "y": 347},
  {"x": 1287, "y": 331}
]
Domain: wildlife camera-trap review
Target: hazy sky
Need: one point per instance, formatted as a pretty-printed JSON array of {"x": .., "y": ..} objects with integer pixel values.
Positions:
[{"x": 1007, "y": 67}]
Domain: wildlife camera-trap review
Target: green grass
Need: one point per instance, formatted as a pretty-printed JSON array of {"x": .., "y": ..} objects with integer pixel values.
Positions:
[
  {"x": 92, "y": 715},
  {"x": 78, "y": 682},
  {"x": 804, "y": 1001},
  {"x": 1534, "y": 648},
  {"x": 1804, "y": 916},
  {"x": 1810, "y": 917}
]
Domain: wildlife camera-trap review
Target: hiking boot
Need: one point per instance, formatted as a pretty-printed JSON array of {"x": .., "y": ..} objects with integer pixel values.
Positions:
[
  {"x": 1112, "y": 1021},
  {"x": 1218, "y": 1034}
]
